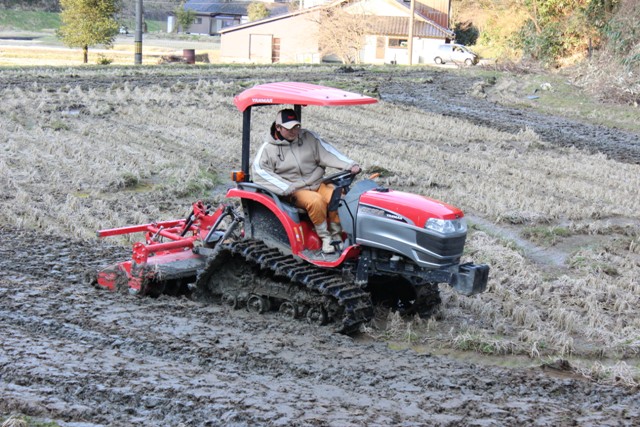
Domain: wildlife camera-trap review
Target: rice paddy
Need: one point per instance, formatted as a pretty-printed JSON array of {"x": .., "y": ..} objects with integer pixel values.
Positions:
[{"x": 77, "y": 157}]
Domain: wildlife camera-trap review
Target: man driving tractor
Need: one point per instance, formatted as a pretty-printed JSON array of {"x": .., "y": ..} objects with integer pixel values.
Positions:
[{"x": 291, "y": 163}]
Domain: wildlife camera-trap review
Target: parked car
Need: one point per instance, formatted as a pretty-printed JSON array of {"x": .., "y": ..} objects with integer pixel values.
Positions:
[{"x": 455, "y": 53}]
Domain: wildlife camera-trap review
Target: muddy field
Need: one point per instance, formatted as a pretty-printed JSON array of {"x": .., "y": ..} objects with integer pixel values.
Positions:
[
  {"x": 86, "y": 357},
  {"x": 80, "y": 356}
]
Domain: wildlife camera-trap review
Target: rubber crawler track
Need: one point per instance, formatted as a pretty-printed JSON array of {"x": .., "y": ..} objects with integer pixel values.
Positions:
[{"x": 356, "y": 304}]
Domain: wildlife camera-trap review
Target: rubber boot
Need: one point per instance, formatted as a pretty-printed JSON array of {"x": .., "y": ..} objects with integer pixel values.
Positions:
[
  {"x": 324, "y": 234},
  {"x": 336, "y": 233}
]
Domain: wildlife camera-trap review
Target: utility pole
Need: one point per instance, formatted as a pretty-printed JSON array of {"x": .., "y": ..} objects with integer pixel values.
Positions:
[
  {"x": 411, "y": 22},
  {"x": 137, "y": 58}
]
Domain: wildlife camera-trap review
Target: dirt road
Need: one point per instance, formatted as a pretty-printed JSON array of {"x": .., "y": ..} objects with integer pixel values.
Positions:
[{"x": 84, "y": 357}]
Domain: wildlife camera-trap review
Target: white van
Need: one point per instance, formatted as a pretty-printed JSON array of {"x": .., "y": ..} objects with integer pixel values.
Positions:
[{"x": 456, "y": 53}]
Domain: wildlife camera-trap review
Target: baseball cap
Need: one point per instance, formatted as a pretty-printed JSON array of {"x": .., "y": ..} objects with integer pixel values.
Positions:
[{"x": 287, "y": 118}]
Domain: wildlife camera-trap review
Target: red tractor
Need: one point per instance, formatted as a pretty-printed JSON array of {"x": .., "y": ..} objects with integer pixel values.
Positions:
[{"x": 397, "y": 246}]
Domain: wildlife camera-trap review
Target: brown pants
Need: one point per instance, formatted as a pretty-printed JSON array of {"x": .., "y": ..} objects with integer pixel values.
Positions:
[{"x": 316, "y": 203}]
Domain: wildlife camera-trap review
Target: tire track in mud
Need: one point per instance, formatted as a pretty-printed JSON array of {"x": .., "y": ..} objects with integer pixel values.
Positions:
[
  {"x": 448, "y": 94},
  {"x": 78, "y": 354}
]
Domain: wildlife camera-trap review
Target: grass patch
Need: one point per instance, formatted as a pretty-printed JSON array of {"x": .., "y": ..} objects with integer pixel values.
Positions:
[
  {"x": 130, "y": 180},
  {"x": 481, "y": 344},
  {"x": 595, "y": 267},
  {"x": 25, "y": 421},
  {"x": 25, "y": 20},
  {"x": 556, "y": 94},
  {"x": 195, "y": 185},
  {"x": 35, "y": 21},
  {"x": 547, "y": 236}
]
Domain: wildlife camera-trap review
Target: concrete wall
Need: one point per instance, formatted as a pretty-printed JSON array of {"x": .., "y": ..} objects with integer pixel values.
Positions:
[
  {"x": 298, "y": 36},
  {"x": 201, "y": 25},
  {"x": 207, "y": 25},
  {"x": 423, "y": 51}
]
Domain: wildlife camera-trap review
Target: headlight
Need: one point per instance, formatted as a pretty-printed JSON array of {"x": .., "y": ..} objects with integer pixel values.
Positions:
[{"x": 446, "y": 226}]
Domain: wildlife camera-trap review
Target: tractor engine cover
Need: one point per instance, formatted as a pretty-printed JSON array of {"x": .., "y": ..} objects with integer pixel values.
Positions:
[{"x": 396, "y": 221}]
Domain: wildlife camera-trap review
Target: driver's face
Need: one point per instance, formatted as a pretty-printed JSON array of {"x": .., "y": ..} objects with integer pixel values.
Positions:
[{"x": 289, "y": 134}]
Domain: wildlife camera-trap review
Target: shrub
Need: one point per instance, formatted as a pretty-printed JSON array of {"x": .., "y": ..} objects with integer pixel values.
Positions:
[{"x": 103, "y": 60}]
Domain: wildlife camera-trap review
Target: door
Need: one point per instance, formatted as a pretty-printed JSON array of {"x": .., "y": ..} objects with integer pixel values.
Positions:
[
  {"x": 260, "y": 48},
  {"x": 458, "y": 54},
  {"x": 380, "y": 45}
]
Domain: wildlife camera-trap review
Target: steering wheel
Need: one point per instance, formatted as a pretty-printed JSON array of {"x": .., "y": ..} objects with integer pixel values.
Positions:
[{"x": 339, "y": 179}]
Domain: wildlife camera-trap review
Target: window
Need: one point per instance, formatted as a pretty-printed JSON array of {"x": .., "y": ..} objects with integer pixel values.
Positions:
[
  {"x": 229, "y": 22},
  {"x": 197, "y": 21},
  {"x": 398, "y": 43}
]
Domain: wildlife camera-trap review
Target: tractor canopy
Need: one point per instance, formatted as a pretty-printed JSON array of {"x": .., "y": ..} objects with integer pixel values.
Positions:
[
  {"x": 298, "y": 94},
  {"x": 292, "y": 93}
]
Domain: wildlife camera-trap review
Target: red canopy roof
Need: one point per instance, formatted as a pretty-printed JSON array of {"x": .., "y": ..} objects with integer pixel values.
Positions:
[{"x": 298, "y": 93}]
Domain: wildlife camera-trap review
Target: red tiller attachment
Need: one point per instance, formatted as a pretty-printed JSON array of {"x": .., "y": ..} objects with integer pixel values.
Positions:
[{"x": 167, "y": 255}]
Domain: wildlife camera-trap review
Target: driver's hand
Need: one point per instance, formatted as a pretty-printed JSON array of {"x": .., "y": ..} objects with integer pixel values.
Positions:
[{"x": 356, "y": 169}]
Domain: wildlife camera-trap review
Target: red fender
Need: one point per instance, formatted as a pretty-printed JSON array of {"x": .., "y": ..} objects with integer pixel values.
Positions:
[
  {"x": 295, "y": 231},
  {"x": 301, "y": 235}
]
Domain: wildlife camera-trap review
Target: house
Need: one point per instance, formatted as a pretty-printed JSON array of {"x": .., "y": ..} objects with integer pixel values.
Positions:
[
  {"x": 213, "y": 16},
  {"x": 294, "y": 37}
]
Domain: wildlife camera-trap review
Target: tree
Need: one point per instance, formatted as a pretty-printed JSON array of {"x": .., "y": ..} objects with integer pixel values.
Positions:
[
  {"x": 559, "y": 28},
  {"x": 87, "y": 23},
  {"x": 256, "y": 11},
  {"x": 498, "y": 24},
  {"x": 184, "y": 17},
  {"x": 622, "y": 42},
  {"x": 342, "y": 33},
  {"x": 466, "y": 33}
]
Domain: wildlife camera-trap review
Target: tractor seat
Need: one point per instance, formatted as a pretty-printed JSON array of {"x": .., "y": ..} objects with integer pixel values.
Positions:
[{"x": 292, "y": 211}]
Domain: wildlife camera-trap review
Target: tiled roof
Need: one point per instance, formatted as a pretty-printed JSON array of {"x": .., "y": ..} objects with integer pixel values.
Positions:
[
  {"x": 238, "y": 8},
  {"x": 382, "y": 25},
  {"x": 225, "y": 8},
  {"x": 399, "y": 26},
  {"x": 437, "y": 13},
  {"x": 275, "y": 15}
]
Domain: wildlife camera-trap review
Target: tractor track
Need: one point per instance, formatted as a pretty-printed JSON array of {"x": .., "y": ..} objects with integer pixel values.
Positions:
[{"x": 353, "y": 308}]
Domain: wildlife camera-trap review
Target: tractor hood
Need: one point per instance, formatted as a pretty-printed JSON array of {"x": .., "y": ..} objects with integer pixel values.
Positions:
[{"x": 412, "y": 208}]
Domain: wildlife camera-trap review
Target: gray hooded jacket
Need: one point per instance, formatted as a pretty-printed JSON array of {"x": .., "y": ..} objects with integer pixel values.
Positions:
[{"x": 284, "y": 167}]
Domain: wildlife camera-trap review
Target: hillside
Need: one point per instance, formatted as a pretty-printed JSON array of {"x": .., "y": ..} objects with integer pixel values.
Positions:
[{"x": 595, "y": 37}]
